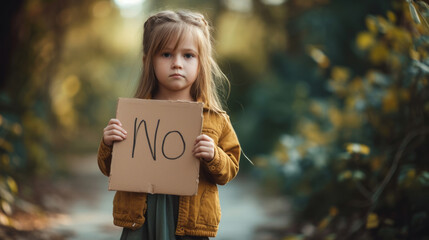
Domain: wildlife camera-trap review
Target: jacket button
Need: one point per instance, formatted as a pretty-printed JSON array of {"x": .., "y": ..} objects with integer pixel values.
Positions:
[{"x": 212, "y": 168}]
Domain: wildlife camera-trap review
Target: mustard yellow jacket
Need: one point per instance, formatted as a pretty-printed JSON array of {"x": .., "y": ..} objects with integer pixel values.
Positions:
[{"x": 199, "y": 215}]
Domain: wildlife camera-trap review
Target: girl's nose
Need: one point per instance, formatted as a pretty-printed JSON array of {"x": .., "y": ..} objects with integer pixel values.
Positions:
[{"x": 177, "y": 63}]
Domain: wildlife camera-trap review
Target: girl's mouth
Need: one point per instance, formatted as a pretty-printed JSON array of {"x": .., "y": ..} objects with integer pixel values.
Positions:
[{"x": 176, "y": 75}]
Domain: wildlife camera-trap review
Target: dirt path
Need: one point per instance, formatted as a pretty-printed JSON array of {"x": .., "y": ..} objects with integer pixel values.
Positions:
[{"x": 243, "y": 208}]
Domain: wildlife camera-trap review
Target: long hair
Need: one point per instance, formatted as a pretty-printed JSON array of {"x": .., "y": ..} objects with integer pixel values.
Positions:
[{"x": 166, "y": 26}]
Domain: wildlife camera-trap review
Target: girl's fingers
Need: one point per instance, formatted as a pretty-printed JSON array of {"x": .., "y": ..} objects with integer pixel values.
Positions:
[
  {"x": 118, "y": 129},
  {"x": 203, "y": 137},
  {"x": 115, "y": 132},
  {"x": 114, "y": 138},
  {"x": 204, "y": 144},
  {"x": 108, "y": 140},
  {"x": 203, "y": 155},
  {"x": 115, "y": 126},
  {"x": 202, "y": 149},
  {"x": 115, "y": 121}
]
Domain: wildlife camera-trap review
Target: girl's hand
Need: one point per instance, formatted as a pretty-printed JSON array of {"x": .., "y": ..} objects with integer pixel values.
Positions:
[
  {"x": 113, "y": 132},
  {"x": 204, "y": 148}
]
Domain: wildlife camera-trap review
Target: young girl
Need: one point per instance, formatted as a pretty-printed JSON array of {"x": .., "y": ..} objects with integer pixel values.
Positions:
[{"x": 178, "y": 65}]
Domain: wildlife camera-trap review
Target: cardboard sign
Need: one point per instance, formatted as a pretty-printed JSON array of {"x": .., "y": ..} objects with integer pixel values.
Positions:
[{"x": 156, "y": 156}]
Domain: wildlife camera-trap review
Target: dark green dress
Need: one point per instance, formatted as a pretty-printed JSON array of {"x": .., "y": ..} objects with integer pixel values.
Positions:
[{"x": 161, "y": 220}]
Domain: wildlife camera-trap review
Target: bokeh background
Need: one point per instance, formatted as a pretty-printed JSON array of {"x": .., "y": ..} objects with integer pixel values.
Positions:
[{"x": 329, "y": 98}]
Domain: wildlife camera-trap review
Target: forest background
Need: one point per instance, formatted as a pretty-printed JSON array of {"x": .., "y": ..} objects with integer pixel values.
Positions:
[{"x": 329, "y": 98}]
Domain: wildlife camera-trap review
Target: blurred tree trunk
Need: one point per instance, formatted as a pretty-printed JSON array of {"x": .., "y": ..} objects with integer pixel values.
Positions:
[{"x": 8, "y": 13}]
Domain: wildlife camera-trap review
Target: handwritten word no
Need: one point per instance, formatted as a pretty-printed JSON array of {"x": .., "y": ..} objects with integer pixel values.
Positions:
[{"x": 153, "y": 149}]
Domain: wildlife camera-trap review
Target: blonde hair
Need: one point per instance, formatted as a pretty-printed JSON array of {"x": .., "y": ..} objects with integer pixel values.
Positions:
[{"x": 166, "y": 26}]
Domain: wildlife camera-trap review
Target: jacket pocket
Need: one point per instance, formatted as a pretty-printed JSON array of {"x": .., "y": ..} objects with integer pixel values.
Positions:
[
  {"x": 129, "y": 203},
  {"x": 209, "y": 213}
]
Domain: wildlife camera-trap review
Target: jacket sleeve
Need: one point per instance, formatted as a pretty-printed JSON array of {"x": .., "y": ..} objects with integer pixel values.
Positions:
[
  {"x": 224, "y": 166},
  {"x": 104, "y": 158}
]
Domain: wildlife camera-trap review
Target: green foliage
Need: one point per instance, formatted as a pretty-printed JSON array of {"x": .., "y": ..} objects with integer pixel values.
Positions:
[
  {"x": 355, "y": 160},
  {"x": 9, "y": 132},
  {"x": 54, "y": 98}
]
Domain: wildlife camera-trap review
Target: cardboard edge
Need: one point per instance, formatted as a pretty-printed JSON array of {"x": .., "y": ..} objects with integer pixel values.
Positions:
[
  {"x": 201, "y": 106},
  {"x": 123, "y": 99},
  {"x": 110, "y": 188}
]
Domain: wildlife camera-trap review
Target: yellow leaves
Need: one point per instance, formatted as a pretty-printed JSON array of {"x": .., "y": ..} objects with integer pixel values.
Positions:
[
  {"x": 338, "y": 82},
  {"x": 335, "y": 117},
  {"x": 333, "y": 211},
  {"x": 414, "y": 55},
  {"x": 343, "y": 118},
  {"x": 379, "y": 53},
  {"x": 5, "y": 145},
  {"x": 71, "y": 86},
  {"x": 371, "y": 24},
  {"x": 312, "y": 132},
  {"x": 12, "y": 185},
  {"x": 365, "y": 40},
  {"x": 340, "y": 74},
  {"x": 384, "y": 40},
  {"x": 391, "y": 16},
  {"x": 357, "y": 148},
  {"x": 352, "y": 119},
  {"x": 390, "y": 101},
  {"x": 4, "y": 220},
  {"x": 12, "y": 127},
  {"x": 280, "y": 152},
  {"x": 383, "y": 25},
  {"x": 5, "y": 206},
  {"x": 372, "y": 221},
  {"x": 399, "y": 39},
  {"x": 16, "y": 129},
  {"x": 356, "y": 85},
  {"x": 319, "y": 56},
  {"x": 5, "y": 160},
  {"x": 407, "y": 176},
  {"x": 63, "y": 93},
  {"x": 411, "y": 173},
  {"x": 345, "y": 175},
  {"x": 316, "y": 108},
  {"x": 324, "y": 223}
]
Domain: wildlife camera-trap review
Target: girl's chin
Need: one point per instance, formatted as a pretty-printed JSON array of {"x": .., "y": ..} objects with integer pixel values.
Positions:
[{"x": 177, "y": 88}]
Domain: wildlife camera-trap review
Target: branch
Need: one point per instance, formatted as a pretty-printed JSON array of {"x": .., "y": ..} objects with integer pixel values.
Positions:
[{"x": 395, "y": 164}]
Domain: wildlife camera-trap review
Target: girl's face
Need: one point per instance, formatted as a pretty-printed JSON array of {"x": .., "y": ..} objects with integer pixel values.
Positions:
[{"x": 177, "y": 69}]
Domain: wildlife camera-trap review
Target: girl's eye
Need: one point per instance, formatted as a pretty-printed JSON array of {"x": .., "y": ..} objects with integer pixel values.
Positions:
[
  {"x": 189, "y": 55},
  {"x": 166, "y": 55}
]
